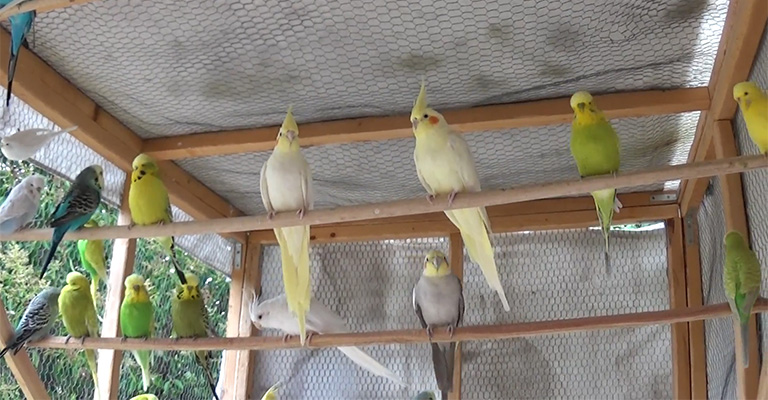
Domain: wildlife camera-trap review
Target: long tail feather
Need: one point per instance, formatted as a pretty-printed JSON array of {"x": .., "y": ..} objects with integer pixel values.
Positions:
[
  {"x": 440, "y": 365},
  {"x": 744, "y": 328},
  {"x": 294, "y": 254},
  {"x": 55, "y": 240},
  {"x": 95, "y": 291},
  {"x": 11, "y": 72},
  {"x": 202, "y": 358},
  {"x": 367, "y": 362},
  {"x": 142, "y": 358},
  {"x": 90, "y": 356},
  {"x": 175, "y": 262},
  {"x": 606, "y": 203}
]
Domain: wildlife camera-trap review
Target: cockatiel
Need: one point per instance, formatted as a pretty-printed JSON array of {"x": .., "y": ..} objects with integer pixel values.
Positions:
[
  {"x": 753, "y": 102},
  {"x": 137, "y": 320},
  {"x": 24, "y": 144},
  {"x": 427, "y": 395},
  {"x": 76, "y": 208},
  {"x": 438, "y": 301},
  {"x": 150, "y": 205},
  {"x": 37, "y": 320},
  {"x": 595, "y": 148},
  {"x": 93, "y": 259},
  {"x": 271, "y": 393},
  {"x": 274, "y": 314},
  {"x": 742, "y": 278},
  {"x": 21, "y": 205},
  {"x": 20, "y": 26},
  {"x": 79, "y": 316},
  {"x": 445, "y": 167},
  {"x": 286, "y": 185}
]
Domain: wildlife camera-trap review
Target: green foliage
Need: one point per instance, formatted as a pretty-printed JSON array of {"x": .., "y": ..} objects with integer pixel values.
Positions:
[{"x": 175, "y": 375}]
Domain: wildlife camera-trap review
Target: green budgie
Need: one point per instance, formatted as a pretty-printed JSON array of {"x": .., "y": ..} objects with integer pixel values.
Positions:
[
  {"x": 741, "y": 279},
  {"x": 93, "y": 260},
  {"x": 145, "y": 397},
  {"x": 190, "y": 320},
  {"x": 137, "y": 320},
  {"x": 595, "y": 148},
  {"x": 79, "y": 316}
]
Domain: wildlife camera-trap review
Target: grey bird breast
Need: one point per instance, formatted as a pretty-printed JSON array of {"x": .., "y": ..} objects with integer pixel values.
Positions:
[{"x": 439, "y": 299}]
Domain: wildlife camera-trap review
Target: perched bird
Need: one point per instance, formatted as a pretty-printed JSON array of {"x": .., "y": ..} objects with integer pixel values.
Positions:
[
  {"x": 753, "y": 103},
  {"x": 21, "y": 205},
  {"x": 445, "y": 166},
  {"x": 595, "y": 148},
  {"x": 286, "y": 185},
  {"x": 145, "y": 397},
  {"x": 76, "y": 208},
  {"x": 274, "y": 314},
  {"x": 426, "y": 395},
  {"x": 137, "y": 320},
  {"x": 79, "y": 316},
  {"x": 93, "y": 259},
  {"x": 149, "y": 203},
  {"x": 37, "y": 320},
  {"x": 20, "y": 26},
  {"x": 271, "y": 393},
  {"x": 438, "y": 301},
  {"x": 24, "y": 144},
  {"x": 190, "y": 320},
  {"x": 741, "y": 278}
]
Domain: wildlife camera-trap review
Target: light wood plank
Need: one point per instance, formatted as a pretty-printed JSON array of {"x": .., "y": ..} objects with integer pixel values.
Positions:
[
  {"x": 40, "y": 5},
  {"x": 681, "y": 371},
  {"x": 20, "y": 365},
  {"x": 697, "y": 342},
  {"x": 230, "y": 358},
  {"x": 457, "y": 266},
  {"x": 245, "y": 363}
]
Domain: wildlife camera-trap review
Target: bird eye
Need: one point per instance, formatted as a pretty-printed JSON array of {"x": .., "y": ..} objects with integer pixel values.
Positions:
[
  {"x": 426, "y": 115},
  {"x": 746, "y": 93},
  {"x": 259, "y": 317}
]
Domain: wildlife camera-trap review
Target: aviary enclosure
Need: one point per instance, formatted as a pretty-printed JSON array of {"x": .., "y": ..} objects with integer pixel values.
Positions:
[{"x": 203, "y": 88}]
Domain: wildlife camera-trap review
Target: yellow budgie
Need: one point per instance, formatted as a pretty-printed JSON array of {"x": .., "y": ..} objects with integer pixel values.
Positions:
[
  {"x": 149, "y": 203},
  {"x": 286, "y": 185},
  {"x": 753, "y": 102},
  {"x": 79, "y": 316},
  {"x": 445, "y": 166}
]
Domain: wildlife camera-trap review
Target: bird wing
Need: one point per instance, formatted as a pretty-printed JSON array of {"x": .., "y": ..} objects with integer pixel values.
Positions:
[
  {"x": 307, "y": 186},
  {"x": 322, "y": 319},
  {"x": 420, "y": 175},
  {"x": 77, "y": 203},
  {"x": 264, "y": 188},
  {"x": 14, "y": 206}
]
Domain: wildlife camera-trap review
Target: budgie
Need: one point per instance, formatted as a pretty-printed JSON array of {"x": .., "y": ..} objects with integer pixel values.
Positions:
[
  {"x": 445, "y": 166},
  {"x": 741, "y": 278},
  {"x": 286, "y": 185},
  {"x": 438, "y": 301},
  {"x": 137, "y": 320},
  {"x": 79, "y": 316},
  {"x": 37, "y": 320},
  {"x": 271, "y": 393},
  {"x": 21, "y": 205},
  {"x": 190, "y": 320},
  {"x": 76, "y": 208},
  {"x": 145, "y": 397},
  {"x": 93, "y": 260},
  {"x": 275, "y": 314},
  {"x": 20, "y": 26},
  {"x": 595, "y": 148},
  {"x": 753, "y": 102},
  {"x": 150, "y": 205},
  {"x": 426, "y": 395},
  {"x": 24, "y": 144}
]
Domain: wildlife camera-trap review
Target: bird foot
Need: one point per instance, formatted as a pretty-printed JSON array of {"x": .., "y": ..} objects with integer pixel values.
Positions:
[
  {"x": 161, "y": 223},
  {"x": 431, "y": 198},
  {"x": 450, "y": 330},
  {"x": 286, "y": 337},
  {"x": 300, "y": 213},
  {"x": 310, "y": 335},
  {"x": 145, "y": 338},
  {"x": 123, "y": 339},
  {"x": 67, "y": 339},
  {"x": 82, "y": 340},
  {"x": 430, "y": 332},
  {"x": 175, "y": 339},
  {"x": 131, "y": 225},
  {"x": 451, "y": 197},
  {"x": 271, "y": 215}
]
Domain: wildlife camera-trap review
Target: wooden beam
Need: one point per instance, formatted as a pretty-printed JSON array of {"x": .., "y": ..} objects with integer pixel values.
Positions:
[
  {"x": 245, "y": 363},
  {"x": 693, "y": 190},
  {"x": 411, "y": 336},
  {"x": 42, "y": 88},
  {"x": 415, "y": 206},
  {"x": 234, "y": 309},
  {"x": 468, "y": 120},
  {"x": 20, "y": 365},
  {"x": 681, "y": 371},
  {"x": 724, "y": 143},
  {"x": 698, "y": 352},
  {"x": 40, "y": 5},
  {"x": 121, "y": 265},
  {"x": 457, "y": 267}
]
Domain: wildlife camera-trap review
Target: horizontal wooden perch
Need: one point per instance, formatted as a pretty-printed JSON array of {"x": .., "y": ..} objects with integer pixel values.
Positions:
[
  {"x": 411, "y": 336},
  {"x": 415, "y": 206}
]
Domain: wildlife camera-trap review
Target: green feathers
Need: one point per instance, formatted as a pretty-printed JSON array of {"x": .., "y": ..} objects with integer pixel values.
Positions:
[{"x": 742, "y": 278}]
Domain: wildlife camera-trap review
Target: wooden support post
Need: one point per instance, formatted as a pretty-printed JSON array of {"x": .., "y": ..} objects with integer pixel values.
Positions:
[
  {"x": 457, "y": 266},
  {"x": 20, "y": 365},
  {"x": 234, "y": 309},
  {"x": 121, "y": 265},
  {"x": 698, "y": 352},
  {"x": 724, "y": 143},
  {"x": 681, "y": 371},
  {"x": 251, "y": 284}
]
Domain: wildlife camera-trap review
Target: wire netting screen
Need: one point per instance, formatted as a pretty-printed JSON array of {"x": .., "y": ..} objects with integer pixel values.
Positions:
[{"x": 547, "y": 275}]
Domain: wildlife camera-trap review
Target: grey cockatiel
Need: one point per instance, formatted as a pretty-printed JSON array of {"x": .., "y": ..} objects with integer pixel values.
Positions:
[
  {"x": 37, "y": 320},
  {"x": 21, "y": 205},
  {"x": 439, "y": 302}
]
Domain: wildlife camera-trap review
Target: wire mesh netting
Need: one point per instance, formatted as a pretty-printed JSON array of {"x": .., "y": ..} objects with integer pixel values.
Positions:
[{"x": 547, "y": 275}]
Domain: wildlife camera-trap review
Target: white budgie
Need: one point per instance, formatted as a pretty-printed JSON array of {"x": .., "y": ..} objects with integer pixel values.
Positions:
[
  {"x": 21, "y": 205},
  {"x": 24, "y": 144},
  {"x": 286, "y": 185},
  {"x": 445, "y": 166}
]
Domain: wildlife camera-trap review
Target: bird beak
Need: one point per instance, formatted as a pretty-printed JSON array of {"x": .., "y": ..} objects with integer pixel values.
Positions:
[
  {"x": 290, "y": 135},
  {"x": 747, "y": 103},
  {"x": 415, "y": 123},
  {"x": 581, "y": 106},
  {"x": 136, "y": 288}
]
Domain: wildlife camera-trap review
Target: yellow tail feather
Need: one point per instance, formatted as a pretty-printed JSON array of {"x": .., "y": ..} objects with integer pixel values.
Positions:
[
  {"x": 294, "y": 254},
  {"x": 90, "y": 357}
]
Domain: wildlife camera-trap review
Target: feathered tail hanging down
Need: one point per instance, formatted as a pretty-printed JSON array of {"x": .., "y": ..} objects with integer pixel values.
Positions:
[
  {"x": 294, "y": 254},
  {"x": 362, "y": 359}
]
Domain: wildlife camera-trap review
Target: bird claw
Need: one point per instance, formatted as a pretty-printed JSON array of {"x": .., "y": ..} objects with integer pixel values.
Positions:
[
  {"x": 430, "y": 332},
  {"x": 450, "y": 330},
  {"x": 300, "y": 213},
  {"x": 123, "y": 339},
  {"x": 131, "y": 225},
  {"x": 286, "y": 337},
  {"x": 67, "y": 339},
  {"x": 431, "y": 198},
  {"x": 82, "y": 340},
  {"x": 451, "y": 197},
  {"x": 310, "y": 335},
  {"x": 271, "y": 215}
]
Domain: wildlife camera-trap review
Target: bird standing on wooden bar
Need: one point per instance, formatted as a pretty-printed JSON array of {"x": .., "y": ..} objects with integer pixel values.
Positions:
[
  {"x": 445, "y": 166},
  {"x": 21, "y": 205},
  {"x": 20, "y": 27},
  {"x": 753, "y": 102},
  {"x": 286, "y": 186},
  {"x": 149, "y": 203},
  {"x": 742, "y": 278},
  {"x": 137, "y": 320},
  {"x": 37, "y": 320},
  {"x": 93, "y": 259},
  {"x": 79, "y": 317},
  {"x": 595, "y": 148}
]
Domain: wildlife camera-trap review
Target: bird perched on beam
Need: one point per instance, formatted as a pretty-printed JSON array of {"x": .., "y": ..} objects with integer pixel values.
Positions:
[{"x": 37, "y": 320}]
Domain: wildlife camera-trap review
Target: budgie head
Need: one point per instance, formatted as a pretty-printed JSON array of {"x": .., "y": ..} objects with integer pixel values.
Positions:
[
  {"x": 584, "y": 107},
  {"x": 142, "y": 165},
  {"x": 745, "y": 93},
  {"x": 288, "y": 136},
  {"x": 135, "y": 289},
  {"x": 190, "y": 290},
  {"x": 33, "y": 185},
  {"x": 147, "y": 396},
  {"x": 77, "y": 280},
  {"x": 426, "y": 395},
  {"x": 51, "y": 296},
  {"x": 435, "y": 264},
  {"x": 92, "y": 176},
  {"x": 423, "y": 118},
  {"x": 734, "y": 240}
]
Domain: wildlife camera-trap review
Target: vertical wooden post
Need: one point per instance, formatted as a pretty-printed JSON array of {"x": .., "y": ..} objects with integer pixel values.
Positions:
[
  {"x": 736, "y": 219},
  {"x": 234, "y": 307},
  {"x": 251, "y": 284},
  {"x": 457, "y": 265},
  {"x": 121, "y": 265},
  {"x": 697, "y": 343},
  {"x": 681, "y": 372},
  {"x": 19, "y": 364}
]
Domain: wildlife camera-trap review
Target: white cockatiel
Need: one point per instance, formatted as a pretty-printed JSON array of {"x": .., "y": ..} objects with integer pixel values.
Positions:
[
  {"x": 445, "y": 167},
  {"x": 274, "y": 314},
  {"x": 24, "y": 144},
  {"x": 21, "y": 205},
  {"x": 286, "y": 186}
]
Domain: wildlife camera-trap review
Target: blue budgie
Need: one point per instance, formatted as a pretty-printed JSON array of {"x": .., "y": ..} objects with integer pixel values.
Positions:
[
  {"x": 21, "y": 205},
  {"x": 20, "y": 27}
]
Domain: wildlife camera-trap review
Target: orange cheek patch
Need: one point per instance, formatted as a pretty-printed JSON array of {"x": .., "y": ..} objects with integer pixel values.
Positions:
[{"x": 434, "y": 120}]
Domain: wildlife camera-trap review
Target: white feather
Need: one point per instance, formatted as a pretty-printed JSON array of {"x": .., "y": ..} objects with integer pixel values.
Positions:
[
  {"x": 21, "y": 205},
  {"x": 24, "y": 144}
]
